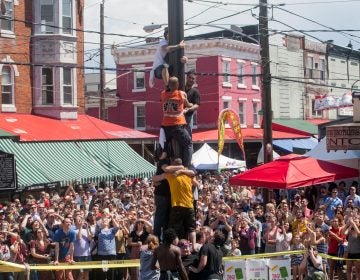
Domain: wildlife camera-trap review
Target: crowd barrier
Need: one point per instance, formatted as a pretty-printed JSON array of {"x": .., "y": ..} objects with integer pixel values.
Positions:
[{"x": 234, "y": 267}]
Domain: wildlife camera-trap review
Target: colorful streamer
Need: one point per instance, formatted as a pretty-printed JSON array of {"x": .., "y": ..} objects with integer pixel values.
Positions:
[{"x": 233, "y": 119}]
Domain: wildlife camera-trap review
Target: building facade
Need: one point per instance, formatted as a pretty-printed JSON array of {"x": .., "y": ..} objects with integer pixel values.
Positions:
[
  {"x": 237, "y": 87},
  {"x": 344, "y": 72},
  {"x": 42, "y": 54}
]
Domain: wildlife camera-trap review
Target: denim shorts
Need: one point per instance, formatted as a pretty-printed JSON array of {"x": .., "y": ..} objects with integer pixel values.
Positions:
[{"x": 82, "y": 259}]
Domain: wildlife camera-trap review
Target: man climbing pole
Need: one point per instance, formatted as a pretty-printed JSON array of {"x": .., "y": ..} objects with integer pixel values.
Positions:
[{"x": 174, "y": 124}]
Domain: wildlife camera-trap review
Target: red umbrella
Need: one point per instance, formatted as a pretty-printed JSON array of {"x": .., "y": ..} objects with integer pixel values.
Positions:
[{"x": 292, "y": 171}]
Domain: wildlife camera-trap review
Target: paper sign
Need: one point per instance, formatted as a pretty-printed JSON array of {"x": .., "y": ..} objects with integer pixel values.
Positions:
[
  {"x": 257, "y": 269},
  {"x": 235, "y": 270},
  {"x": 279, "y": 269}
]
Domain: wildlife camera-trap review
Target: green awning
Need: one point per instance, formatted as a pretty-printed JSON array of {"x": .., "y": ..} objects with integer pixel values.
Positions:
[
  {"x": 64, "y": 162},
  {"x": 5, "y": 134},
  {"x": 27, "y": 172},
  {"x": 302, "y": 125},
  {"x": 118, "y": 158}
]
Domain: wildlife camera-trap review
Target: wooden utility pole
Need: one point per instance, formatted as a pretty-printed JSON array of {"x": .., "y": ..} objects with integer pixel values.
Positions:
[
  {"x": 102, "y": 72},
  {"x": 176, "y": 35},
  {"x": 266, "y": 85}
]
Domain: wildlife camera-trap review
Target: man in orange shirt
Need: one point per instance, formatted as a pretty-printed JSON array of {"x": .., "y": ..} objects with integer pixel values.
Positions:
[{"x": 174, "y": 123}]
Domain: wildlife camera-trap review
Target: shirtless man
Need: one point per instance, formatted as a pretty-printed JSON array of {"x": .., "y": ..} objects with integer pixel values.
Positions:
[{"x": 169, "y": 257}]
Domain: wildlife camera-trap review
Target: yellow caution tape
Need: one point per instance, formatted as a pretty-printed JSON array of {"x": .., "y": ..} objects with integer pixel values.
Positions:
[{"x": 13, "y": 267}]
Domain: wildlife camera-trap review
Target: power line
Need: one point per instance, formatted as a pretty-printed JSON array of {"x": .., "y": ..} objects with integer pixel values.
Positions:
[
  {"x": 314, "y": 21},
  {"x": 321, "y": 2}
]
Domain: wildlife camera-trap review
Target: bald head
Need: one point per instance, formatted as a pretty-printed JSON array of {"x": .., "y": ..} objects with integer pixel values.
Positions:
[{"x": 173, "y": 83}]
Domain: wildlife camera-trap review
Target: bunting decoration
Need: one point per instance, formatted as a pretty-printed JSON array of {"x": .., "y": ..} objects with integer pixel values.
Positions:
[{"x": 230, "y": 116}]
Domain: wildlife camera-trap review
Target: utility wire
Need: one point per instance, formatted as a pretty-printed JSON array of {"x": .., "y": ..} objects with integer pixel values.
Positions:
[{"x": 313, "y": 21}]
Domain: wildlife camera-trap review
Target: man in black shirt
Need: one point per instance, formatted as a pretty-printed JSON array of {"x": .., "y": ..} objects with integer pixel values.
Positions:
[
  {"x": 193, "y": 96},
  {"x": 210, "y": 264}
]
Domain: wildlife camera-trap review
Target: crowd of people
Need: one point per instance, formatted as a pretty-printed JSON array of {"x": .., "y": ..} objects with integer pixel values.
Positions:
[{"x": 118, "y": 222}]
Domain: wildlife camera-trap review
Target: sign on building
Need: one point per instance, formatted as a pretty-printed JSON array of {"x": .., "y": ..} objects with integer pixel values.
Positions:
[
  {"x": 7, "y": 171},
  {"x": 345, "y": 137}
]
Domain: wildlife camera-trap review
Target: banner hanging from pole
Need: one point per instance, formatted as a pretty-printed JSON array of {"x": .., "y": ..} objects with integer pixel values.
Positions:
[{"x": 230, "y": 116}]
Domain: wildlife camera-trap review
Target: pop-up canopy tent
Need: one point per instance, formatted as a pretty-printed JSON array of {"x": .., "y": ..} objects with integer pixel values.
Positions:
[
  {"x": 293, "y": 171},
  {"x": 206, "y": 158},
  {"x": 349, "y": 158}
]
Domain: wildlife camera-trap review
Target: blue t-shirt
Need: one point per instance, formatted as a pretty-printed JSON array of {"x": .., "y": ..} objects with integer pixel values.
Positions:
[
  {"x": 64, "y": 240},
  {"x": 332, "y": 204},
  {"x": 106, "y": 241}
]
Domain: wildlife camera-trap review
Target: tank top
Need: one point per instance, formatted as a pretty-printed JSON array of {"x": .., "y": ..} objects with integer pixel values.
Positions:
[{"x": 173, "y": 108}]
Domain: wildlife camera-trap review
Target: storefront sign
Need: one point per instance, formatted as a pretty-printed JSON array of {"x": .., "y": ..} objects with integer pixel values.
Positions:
[
  {"x": 7, "y": 171},
  {"x": 343, "y": 137}
]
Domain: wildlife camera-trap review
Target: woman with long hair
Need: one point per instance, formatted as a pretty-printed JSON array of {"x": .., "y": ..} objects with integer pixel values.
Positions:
[
  {"x": 106, "y": 248},
  {"x": 336, "y": 238},
  {"x": 146, "y": 253},
  {"x": 352, "y": 231},
  {"x": 40, "y": 249},
  {"x": 136, "y": 239}
]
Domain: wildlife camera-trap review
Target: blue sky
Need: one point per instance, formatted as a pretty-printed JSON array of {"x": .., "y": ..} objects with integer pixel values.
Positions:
[{"x": 127, "y": 17}]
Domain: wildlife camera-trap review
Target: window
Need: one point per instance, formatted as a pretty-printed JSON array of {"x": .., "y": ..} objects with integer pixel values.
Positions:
[
  {"x": 226, "y": 70},
  {"x": 309, "y": 66},
  {"x": 67, "y": 86},
  {"x": 226, "y": 104},
  {"x": 315, "y": 114},
  {"x": 47, "y": 86},
  {"x": 242, "y": 115},
  {"x": 256, "y": 114},
  {"x": 140, "y": 117},
  {"x": 7, "y": 19},
  {"x": 139, "y": 80},
  {"x": 66, "y": 17},
  {"x": 47, "y": 15},
  {"x": 195, "y": 119},
  {"x": 322, "y": 69},
  {"x": 241, "y": 73},
  {"x": 254, "y": 74},
  {"x": 7, "y": 89}
]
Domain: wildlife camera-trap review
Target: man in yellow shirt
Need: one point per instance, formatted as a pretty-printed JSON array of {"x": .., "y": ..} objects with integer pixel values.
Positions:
[{"x": 182, "y": 214}]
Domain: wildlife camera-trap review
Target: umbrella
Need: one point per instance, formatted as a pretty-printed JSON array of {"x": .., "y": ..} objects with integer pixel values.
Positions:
[{"x": 292, "y": 171}]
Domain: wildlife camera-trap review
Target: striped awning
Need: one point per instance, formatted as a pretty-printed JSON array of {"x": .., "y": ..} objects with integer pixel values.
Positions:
[
  {"x": 64, "y": 162},
  {"x": 118, "y": 158}
]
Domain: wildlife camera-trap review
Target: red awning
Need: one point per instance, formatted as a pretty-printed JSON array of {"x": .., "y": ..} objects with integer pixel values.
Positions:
[
  {"x": 248, "y": 134},
  {"x": 293, "y": 171},
  {"x": 37, "y": 128}
]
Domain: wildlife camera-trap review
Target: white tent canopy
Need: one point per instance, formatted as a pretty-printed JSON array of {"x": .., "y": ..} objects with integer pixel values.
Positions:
[
  {"x": 349, "y": 158},
  {"x": 206, "y": 158},
  {"x": 260, "y": 158}
]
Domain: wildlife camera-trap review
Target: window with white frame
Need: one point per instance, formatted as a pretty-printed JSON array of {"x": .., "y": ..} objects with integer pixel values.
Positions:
[
  {"x": 140, "y": 118},
  {"x": 67, "y": 16},
  {"x": 256, "y": 113},
  {"x": 47, "y": 16},
  {"x": 7, "y": 86},
  {"x": 226, "y": 71},
  {"x": 195, "y": 120},
  {"x": 241, "y": 72},
  {"x": 322, "y": 69},
  {"x": 315, "y": 113},
  {"x": 67, "y": 86},
  {"x": 242, "y": 112},
  {"x": 310, "y": 66},
  {"x": 47, "y": 83},
  {"x": 254, "y": 77},
  {"x": 139, "y": 80},
  {"x": 7, "y": 19}
]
